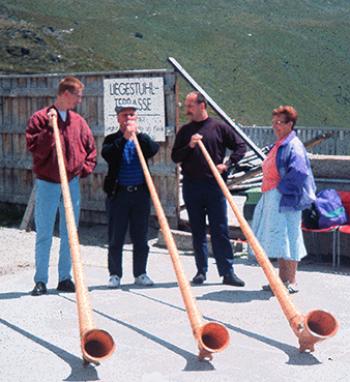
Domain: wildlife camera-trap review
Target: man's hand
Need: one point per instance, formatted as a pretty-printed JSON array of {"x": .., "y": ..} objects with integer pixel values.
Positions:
[
  {"x": 194, "y": 140},
  {"x": 52, "y": 114},
  {"x": 131, "y": 129},
  {"x": 221, "y": 168}
]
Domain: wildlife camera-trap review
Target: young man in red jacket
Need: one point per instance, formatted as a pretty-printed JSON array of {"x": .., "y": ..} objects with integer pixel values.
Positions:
[{"x": 79, "y": 151}]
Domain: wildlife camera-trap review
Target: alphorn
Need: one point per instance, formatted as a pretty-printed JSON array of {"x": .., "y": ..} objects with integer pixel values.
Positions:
[
  {"x": 317, "y": 325},
  {"x": 96, "y": 344},
  {"x": 211, "y": 337}
]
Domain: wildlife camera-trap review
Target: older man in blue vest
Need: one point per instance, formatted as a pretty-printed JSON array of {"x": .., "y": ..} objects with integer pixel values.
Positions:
[{"x": 128, "y": 200}]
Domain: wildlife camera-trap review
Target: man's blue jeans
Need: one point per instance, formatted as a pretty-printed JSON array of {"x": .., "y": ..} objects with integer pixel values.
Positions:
[
  {"x": 48, "y": 199},
  {"x": 202, "y": 198}
]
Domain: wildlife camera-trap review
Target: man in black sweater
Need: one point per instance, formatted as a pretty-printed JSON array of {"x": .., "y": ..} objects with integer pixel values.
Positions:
[
  {"x": 201, "y": 192},
  {"x": 128, "y": 200}
]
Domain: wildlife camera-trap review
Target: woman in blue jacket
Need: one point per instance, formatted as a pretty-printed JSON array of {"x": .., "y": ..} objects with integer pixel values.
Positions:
[{"x": 288, "y": 187}]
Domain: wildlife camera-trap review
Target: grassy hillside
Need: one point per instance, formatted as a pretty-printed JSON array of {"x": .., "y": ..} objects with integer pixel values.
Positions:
[{"x": 250, "y": 55}]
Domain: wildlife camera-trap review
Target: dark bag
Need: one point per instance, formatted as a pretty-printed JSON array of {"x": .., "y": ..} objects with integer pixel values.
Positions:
[
  {"x": 330, "y": 208},
  {"x": 310, "y": 217}
]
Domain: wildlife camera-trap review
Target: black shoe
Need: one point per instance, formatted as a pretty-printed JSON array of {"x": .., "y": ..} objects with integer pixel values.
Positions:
[
  {"x": 199, "y": 278},
  {"x": 66, "y": 286},
  {"x": 232, "y": 279},
  {"x": 39, "y": 289}
]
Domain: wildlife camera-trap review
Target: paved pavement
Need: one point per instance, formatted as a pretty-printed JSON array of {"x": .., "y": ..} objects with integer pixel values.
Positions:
[{"x": 39, "y": 338}]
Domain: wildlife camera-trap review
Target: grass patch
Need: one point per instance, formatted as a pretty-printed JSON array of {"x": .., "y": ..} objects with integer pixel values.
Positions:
[{"x": 250, "y": 56}]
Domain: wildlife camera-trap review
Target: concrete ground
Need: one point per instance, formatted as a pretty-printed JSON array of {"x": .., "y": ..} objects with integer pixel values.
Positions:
[{"x": 39, "y": 339}]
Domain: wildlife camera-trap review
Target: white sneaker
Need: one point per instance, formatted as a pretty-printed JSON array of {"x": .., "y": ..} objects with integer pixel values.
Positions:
[
  {"x": 114, "y": 282},
  {"x": 143, "y": 280}
]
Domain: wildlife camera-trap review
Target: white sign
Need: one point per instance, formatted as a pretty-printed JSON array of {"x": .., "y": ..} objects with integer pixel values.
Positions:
[{"x": 146, "y": 93}]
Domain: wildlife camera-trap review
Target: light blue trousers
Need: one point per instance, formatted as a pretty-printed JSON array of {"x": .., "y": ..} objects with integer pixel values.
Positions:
[{"x": 48, "y": 199}]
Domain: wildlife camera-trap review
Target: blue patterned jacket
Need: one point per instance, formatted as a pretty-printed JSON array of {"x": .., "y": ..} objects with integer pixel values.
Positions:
[{"x": 297, "y": 184}]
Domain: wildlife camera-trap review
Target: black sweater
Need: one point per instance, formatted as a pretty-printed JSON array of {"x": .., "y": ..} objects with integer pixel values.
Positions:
[
  {"x": 217, "y": 136},
  {"x": 112, "y": 153}
]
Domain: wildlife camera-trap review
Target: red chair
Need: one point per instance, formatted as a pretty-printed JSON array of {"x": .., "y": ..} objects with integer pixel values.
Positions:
[
  {"x": 343, "y": 229},
  {"x": 316, "y": 242}
]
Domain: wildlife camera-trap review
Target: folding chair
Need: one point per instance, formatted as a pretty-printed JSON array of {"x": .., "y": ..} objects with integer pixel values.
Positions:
[
  {"x": 343, "y": 229},
  {"x": 316, "y": 242}
]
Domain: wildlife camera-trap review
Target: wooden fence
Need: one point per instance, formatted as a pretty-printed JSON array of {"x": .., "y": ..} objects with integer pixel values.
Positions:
[
  {"x": 339, "y": 144},
  {"x": 22, "y": 95}
]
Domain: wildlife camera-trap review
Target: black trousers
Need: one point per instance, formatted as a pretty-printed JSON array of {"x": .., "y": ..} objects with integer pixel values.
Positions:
[
  {"x": 205, "y": 198},
  {"x": 128, "y": 209}
]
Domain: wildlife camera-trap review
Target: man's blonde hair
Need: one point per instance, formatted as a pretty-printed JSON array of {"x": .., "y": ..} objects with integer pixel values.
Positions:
[{"x": 71, "y": 84}]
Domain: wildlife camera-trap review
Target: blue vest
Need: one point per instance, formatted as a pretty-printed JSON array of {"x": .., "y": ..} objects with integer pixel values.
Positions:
[{"x": 130, "y": 172}]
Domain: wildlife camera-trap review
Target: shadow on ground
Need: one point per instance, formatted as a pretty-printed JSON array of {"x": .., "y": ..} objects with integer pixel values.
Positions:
[
  {"x": 236, "y": 296},
  {"x": 79, "y": 372},
  {"x": 14, "y": 295},
  {"x": 294, "y": 356},
  {"x": 127, "y": 287},
  {"x": 192, "y": 362}
]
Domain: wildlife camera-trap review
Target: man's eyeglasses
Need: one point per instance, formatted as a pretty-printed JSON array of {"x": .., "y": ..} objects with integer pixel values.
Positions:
[{"x": 78, "y": 95}]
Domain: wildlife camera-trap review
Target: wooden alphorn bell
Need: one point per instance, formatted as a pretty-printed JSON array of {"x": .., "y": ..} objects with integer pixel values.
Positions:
[
  {"x": 96, "y": 344},
  {"x": 211, "y": 337},
  {"x": 317, "y": 325}
]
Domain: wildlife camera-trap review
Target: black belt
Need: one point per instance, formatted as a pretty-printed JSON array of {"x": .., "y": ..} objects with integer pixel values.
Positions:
[{"x": 131, "y": 188}]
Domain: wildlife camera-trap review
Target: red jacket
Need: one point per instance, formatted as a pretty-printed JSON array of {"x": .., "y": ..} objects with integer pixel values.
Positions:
[{"x": 78, "y": 146}]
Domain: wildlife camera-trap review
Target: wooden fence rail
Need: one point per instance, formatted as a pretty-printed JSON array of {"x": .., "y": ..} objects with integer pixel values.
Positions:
[
  {"x": 22, "y": 95},
  {"x": 339, "y": 144}
]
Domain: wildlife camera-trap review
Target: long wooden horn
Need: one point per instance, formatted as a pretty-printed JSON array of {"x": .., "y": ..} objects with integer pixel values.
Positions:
[
  {"x": 317, "y": 325},
  {"x": 211, "y": 337},
  {"x": 96, "y": 344}
]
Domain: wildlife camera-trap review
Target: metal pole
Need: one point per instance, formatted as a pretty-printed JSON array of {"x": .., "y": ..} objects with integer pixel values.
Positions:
[{"x": 216, "y": 107}]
